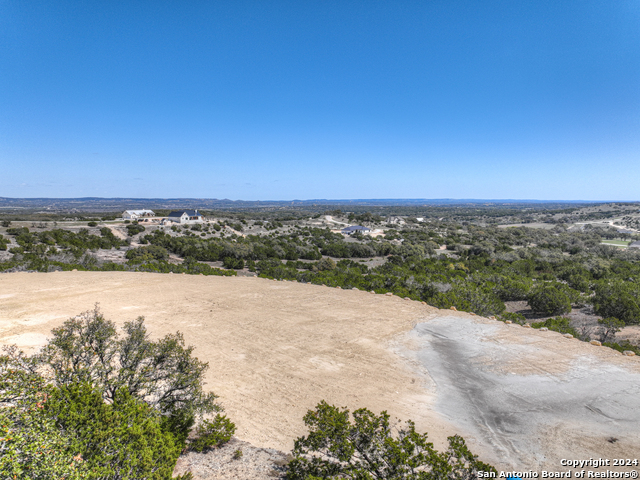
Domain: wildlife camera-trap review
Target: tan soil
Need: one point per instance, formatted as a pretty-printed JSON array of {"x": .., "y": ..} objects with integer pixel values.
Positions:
[
  {"x": 117, "y": 232},
  {"x": 277, "y": 348}
]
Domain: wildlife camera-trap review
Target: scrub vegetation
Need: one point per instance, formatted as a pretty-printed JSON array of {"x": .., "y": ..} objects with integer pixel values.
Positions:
[{"x": 548, "y": 259}]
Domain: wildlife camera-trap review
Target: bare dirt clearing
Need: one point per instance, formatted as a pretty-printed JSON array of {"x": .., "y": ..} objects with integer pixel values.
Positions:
[
  {"x": 275, "y": 349},
  {"x": 522, "y": 398}
]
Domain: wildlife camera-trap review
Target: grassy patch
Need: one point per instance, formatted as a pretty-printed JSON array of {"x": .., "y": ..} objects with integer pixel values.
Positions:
[{"x": 617, "y": 243}]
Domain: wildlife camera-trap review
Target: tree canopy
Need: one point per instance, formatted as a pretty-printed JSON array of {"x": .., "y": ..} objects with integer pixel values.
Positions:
[{"x": 369, "y": 447}]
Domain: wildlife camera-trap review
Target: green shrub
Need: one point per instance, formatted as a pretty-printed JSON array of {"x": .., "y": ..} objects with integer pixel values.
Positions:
[
  {"x": 557, "y": 324},
  {"x": 618, "y": 299},
  {"x": 233, "y": 262},
  {"x": 469, "y": 297},
  {"x": 369, "y": 447},
  {"x": 31, "y": 444},
  {"x": 573, "y": 295},
  {"x": 579, "y": 282},
  {"x": 92, "y": 224},
  {"x": 119, "y": 407},
  {"x": 123, "y": 439},
  {"x": 212, "y": 433},
  {"x": 549, "y": 300},
  {"x": 15, "y": 231},
  {"x": 145, "y": 254},
  {"x": 508, "y": 289},
  {"x": 163, "y": 373},
  {"x": 326, "y": 263},
  {"x": 623, "y": 346},
  {"x": 513, "y": 317},
  {"x": 134, "y": 229}
]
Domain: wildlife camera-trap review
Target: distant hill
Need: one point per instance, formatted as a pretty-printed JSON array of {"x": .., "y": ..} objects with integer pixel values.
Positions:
[{"x": 88, "y": 204}]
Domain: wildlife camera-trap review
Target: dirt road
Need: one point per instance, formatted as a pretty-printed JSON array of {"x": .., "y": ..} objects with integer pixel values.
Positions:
[{"x": 522, "y": 398}]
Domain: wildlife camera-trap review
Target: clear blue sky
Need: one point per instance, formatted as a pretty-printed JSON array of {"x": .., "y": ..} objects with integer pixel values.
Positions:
[{"x": 277, "y": 100}]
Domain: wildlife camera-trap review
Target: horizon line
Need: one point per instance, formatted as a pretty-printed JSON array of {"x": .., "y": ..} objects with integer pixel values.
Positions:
[{"x": 332, "y": 200}]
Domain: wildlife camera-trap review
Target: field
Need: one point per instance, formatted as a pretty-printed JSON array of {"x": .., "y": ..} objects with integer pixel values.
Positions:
[
  {"x": 523, "y": 398},
  {"x": 617, "y": 243}
]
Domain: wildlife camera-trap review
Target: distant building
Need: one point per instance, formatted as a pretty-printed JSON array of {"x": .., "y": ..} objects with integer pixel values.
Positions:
[
  {"x": 635, "y": 244},
  {"x": 394, "y": 220},
  {"x": 185, "y": 216},
  {"x": 355, "y": 228},
  {"x": 136, "y": 214}
]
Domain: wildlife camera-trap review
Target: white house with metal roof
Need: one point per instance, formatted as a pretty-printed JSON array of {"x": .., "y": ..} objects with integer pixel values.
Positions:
[
  {"x": 185, "y": 217},
  {"x": 136, "y": 214}
]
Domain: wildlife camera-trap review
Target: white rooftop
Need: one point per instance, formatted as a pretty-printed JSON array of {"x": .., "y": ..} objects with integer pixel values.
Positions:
[{"x": 139, "y": 212}]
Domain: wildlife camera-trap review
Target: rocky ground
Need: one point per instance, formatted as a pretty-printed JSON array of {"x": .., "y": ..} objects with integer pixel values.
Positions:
[{"x": 237, "y": 460}]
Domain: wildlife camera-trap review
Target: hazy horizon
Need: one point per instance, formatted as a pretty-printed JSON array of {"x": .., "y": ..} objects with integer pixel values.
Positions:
[{"x": 331, "y": 200}]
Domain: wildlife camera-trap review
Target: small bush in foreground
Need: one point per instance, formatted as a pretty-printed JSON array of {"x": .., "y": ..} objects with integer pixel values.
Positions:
[
  {"x": 513, "y": 317},
  {"x": 163, "y": 373},
  {"x": 370, "y": 448},
  {"x": 623, "y": 346},
  {"x": 123, "y": 440},
  {"x": 31, "y": 445},
  {"x": 213, "y": 433},
  {"x": 557, "y": 324},
  {"x": 97, "y": 405}
]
